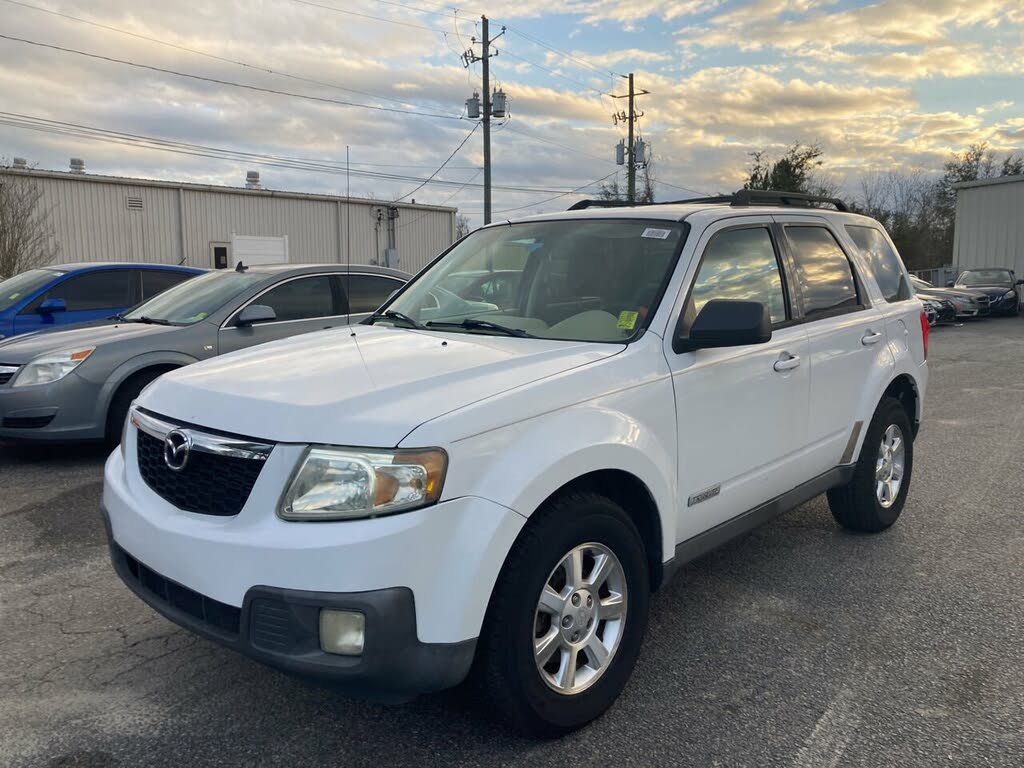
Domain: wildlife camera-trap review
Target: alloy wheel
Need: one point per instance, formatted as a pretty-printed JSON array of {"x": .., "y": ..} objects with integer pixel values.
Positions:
[{"x": 889, "y": 466}]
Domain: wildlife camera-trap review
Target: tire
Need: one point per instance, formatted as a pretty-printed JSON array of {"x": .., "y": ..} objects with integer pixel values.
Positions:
[
  {"x": 506, "y": 667},
  {"x": 130, "y": 389},
  {"x": 861, "y": 505}
]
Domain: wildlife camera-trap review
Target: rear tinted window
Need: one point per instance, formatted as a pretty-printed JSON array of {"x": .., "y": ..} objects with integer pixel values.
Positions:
[
  {"x": 884, "y": 261},
  {"x": 156, "y": 281},
  {"x": 823, "y": 272},
  {"x": 95, "y": 290},
  {"x": 367, "y": 292}
]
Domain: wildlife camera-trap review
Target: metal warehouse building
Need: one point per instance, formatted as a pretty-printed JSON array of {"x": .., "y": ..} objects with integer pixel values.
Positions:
[
  {"x": 990, "y": 224},
  {"x": 105, "y": 218}
]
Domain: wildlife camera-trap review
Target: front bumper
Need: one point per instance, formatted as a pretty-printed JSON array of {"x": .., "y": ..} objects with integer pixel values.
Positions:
[
  {"x": 280, "y": 628},
  {"x": 422, "y": 579},
  {"x": 62, "y": 410}
]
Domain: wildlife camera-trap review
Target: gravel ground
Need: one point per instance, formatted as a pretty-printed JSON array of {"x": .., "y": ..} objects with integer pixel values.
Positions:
[{"x": 798, "y": 645}]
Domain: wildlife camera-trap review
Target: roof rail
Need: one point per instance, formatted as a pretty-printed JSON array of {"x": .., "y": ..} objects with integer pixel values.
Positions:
[{"x": 740, "y": 198}]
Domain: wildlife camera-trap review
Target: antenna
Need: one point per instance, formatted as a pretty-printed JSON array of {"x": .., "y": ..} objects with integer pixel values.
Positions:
[{"x": 348, "y": 234}]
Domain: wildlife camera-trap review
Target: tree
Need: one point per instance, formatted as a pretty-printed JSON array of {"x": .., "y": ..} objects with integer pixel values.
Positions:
[
  {"x": 462, "y": 226},
  {"x": 793, "y": 172},
  {"x": 26, "y": 233},
  {"x": 612, "y": 190}
]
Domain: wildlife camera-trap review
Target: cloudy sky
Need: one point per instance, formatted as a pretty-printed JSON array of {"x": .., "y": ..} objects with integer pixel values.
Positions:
[{"x": 889, "y": 84}]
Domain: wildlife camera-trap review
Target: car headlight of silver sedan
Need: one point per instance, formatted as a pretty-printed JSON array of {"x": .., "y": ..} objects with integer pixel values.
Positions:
[
  {"x": 351, "y": 483},
  {"x": 1009, "y": 294},
  {"x": 52, "y": 367}
]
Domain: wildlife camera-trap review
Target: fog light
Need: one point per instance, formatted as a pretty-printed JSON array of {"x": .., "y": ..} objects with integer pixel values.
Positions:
[{"x": 342, "y": 632}]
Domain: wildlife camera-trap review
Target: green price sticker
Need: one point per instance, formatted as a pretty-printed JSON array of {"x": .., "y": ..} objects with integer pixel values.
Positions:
[{"x": 627, "y": 320}]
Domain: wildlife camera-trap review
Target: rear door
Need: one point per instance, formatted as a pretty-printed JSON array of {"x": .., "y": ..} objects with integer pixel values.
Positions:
[
  {"x": 895, "y": 300},
  {"x": 90, "y": 296},
  {"x": 366, "y": 292},
  {"x": 845, "y": 332},
  {"x": 741, "y": 411},
  {"x": 302, "y": 304}
]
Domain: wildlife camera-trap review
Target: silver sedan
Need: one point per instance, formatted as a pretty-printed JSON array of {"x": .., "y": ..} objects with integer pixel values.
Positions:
[{"x": 77, "y": 383}]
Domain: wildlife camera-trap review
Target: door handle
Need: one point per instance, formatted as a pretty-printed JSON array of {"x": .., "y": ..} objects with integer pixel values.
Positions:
[
  {"x": 871, "y": 337},
  {"x": 786, "y": 363}
]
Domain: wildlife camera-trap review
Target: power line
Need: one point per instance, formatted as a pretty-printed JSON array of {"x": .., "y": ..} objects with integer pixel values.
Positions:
[
  {"x": 564, "y": 194},
  {"x": 218, "y": 81},
  {"x": 558, "y": 144},
  {"x": 146, "y": 142},
  {"x": 445, "y": 201},
  {"x": 364, "y": 15},
  {"x": 556, "y": 73},
  {"x": 197, "y": 52},
  {"x": 440, "y": 167}
]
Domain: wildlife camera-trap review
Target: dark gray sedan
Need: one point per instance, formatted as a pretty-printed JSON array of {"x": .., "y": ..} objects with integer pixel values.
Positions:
[{"x": 77, "y": 383}]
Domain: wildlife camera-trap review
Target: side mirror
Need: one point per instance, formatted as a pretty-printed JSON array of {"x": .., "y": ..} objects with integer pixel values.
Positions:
[
  {"x": 728, "y": 323},
  {"x": 255, "y": 313},
  {"x": 1019, "y": 282},
  {"x": 52, "y": 307}
]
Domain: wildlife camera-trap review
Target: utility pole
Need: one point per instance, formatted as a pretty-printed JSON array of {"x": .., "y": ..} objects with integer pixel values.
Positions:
[
  {"x": 495, "y": 108},
  {"x": 631, "y": 144}
]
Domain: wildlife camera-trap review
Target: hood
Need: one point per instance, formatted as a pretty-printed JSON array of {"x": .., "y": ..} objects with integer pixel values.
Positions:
[
  {"x": 951, "y": 293},
  {"x": 362, "y": 386},
  {"x": 19, "y": 350},
  {"x": 988, "y": 290}
]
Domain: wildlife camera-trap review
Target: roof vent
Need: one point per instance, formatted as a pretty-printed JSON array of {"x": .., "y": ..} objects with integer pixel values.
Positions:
[
  {"x": 252, "y": 180},
  {"x": 20, "y": 163},
  {"x": 77, "y": 165},
  {"x": 133, "y": 203}
]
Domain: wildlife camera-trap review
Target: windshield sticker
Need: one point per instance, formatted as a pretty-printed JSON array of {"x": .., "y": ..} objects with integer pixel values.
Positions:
[
  {"x": 656, "y": 234},
  {"x": 13, "y": 296},
  {"x": 627, "y": 320}
]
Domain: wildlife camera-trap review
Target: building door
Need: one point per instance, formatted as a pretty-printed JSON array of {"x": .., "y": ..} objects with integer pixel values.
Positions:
[{"x": 219, "y": 253}]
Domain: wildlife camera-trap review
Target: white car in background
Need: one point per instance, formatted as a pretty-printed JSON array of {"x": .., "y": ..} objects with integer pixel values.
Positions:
[{"x": 379, "y": 506}]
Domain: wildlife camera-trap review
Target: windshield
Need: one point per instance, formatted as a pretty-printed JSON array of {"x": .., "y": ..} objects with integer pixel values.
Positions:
[
  {"x": 14, "y": 289},
  {"x": 581, "y": 280},
  {"x": 919, "y": 283},
  {"x": 986, "y": 277},
  {"x": 195, "y": 299}
]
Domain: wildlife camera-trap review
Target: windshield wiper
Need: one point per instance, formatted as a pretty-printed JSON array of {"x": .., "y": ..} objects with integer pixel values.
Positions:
[
  {"x": 472, "y": 324},
  {"x": 147, "y": 320},
  {"x": 393, "y": 316}
]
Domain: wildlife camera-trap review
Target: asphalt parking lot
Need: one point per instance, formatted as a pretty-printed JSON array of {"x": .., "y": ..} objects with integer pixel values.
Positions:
[{"x": 799, "y": 645}]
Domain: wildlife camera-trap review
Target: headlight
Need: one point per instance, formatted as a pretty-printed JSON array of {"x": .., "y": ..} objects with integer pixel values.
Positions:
[
  {"x": 52, "y": 367},
  {"x": 1009, "y": 295},
  {"x": 347, "y": 483}
]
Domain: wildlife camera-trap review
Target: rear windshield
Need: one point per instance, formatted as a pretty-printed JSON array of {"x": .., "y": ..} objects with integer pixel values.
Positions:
[{"x": 14, "y": 289}]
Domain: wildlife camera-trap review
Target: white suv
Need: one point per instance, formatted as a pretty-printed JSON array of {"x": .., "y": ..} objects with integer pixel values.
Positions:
[{"x": 497, "y": 469}]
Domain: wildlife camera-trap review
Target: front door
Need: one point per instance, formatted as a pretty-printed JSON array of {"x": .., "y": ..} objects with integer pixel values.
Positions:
[
  {"x": 741, "y": 411},
  {"x": 301, "y": 305}
]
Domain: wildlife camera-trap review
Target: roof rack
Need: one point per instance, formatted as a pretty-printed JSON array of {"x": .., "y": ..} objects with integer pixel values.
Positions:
[{"x": 740, "y": 198}]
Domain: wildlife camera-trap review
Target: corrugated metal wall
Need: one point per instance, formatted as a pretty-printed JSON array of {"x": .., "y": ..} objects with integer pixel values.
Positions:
[
  {"x": 92, "y": 222},
  {"x": 990, "y": 226}
]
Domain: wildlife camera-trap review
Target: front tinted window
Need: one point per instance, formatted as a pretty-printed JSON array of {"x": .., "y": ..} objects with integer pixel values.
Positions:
[
  {"x": 986, "y": 277},
  {"x": 884, "y": 261},
  {"x": 823, "y": 271},
  {"x": 14, "y": 289},
  {"x": 301, "y": 299},
  {"x": 585, "y": 280},
  {"x": 196, "y": 299},
  {"x": 740, "y": 264},
  {"x": 156, "y": 281},
  {"x": 95, "y": 290},
  {"x": 367, "y": 292}
]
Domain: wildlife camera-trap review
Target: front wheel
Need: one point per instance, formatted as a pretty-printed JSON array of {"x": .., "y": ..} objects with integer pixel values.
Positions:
[
  {"x": 873, "y": 500},
  {"x": 565, "y": 623}
]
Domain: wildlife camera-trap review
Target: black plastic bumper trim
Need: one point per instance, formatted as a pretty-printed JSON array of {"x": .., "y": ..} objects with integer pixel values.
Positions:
[{"x": 280, "y": 628}]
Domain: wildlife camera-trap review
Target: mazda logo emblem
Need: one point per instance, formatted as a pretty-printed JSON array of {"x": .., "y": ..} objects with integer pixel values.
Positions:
[{"x": 177, "y": 445}]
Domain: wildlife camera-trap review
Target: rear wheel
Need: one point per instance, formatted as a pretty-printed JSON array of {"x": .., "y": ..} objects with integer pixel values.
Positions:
[
  {"x": 873, "y": 500},
  {"x": 565, "y": 623}
]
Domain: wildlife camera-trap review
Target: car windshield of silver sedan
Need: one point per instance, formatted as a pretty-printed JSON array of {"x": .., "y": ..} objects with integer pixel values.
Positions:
[
  {"x": 578, "y": 280},
  {"x": 193, "y": 300}
]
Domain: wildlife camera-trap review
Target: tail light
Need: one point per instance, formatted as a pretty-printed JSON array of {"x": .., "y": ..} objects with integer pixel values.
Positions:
[{"x": 925, "y": 330}]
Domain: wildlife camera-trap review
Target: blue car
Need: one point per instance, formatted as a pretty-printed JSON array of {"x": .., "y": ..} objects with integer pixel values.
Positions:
[{"x": 41, "y": 299}]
